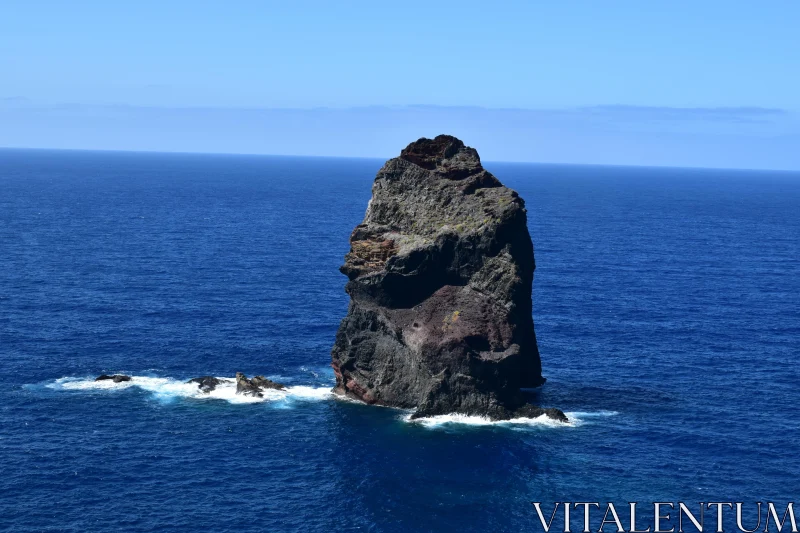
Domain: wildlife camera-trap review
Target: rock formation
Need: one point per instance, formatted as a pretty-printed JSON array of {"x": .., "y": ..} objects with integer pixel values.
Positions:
[
  {"x": 207, "y": 384},
  {"x": 255, "y": 386},
  {"x": 440, "y": 278},
  {"x": 116, "y": 378}
]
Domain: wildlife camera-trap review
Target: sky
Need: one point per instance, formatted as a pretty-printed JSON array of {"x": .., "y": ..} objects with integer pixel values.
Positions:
[{"x": 674, "y": 83}]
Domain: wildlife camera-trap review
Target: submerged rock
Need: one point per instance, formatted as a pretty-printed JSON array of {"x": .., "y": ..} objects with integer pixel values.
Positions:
[
  {"x": 206, "y": 383},
  {"x": 116, "y": 378},
  {"x": 440, "y": 278},
  {"x": 255, "y": 386}
]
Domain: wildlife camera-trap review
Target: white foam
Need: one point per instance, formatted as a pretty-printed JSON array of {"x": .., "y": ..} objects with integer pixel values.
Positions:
[
  {"x": 576, "y": 418},
  {"x": 581, "y": 415},
  {"x": 310, "y": 393},
  {"x": 169, "y": 389}
]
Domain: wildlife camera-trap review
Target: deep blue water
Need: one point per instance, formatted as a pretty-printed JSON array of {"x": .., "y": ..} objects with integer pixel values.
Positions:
[{"x": 666, "y": 302}]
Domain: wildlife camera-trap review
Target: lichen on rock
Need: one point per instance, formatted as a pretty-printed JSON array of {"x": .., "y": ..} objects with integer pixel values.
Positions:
[{"x": 440, "y": 278}]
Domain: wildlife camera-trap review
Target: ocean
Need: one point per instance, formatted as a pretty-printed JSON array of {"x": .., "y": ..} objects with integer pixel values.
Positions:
[{"x": 666, "y": 304}]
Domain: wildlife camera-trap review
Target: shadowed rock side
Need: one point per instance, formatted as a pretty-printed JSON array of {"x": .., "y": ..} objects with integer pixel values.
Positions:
[{"x": 440, "y": 278}]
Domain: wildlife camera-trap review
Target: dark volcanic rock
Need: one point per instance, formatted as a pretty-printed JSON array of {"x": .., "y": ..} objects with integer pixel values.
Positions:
[
  {"x": 532, "y": 411},
  {"x": 440, "y": 278},
  {"x": 255, "y": 386},
  {"x": 264, "y": 383},
  {"x": 246, "y": 387},
  {"x": 206, "y": 383},
  {"x": 116, "y": 378}
]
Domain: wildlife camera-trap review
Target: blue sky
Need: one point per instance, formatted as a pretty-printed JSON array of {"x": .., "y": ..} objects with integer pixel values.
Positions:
[{"x": 664, "y": 83}]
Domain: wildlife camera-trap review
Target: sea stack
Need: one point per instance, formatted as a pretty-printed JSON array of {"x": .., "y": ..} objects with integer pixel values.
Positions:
[{"x": 440, "y": 278}]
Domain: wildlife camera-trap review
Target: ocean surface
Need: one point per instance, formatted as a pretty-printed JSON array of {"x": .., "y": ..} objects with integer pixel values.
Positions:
[{"x": 666, "y": 303}]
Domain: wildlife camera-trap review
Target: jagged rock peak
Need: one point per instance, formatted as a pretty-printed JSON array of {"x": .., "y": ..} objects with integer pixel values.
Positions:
[{"x": 445, "y": 154}]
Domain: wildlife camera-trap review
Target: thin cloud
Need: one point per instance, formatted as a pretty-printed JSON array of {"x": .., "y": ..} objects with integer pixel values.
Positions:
[
  {"x": 720, "y": 114},
  {"x": 737, "y": 137}
]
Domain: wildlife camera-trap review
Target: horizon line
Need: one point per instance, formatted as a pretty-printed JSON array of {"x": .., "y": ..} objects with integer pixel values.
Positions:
[{"x": 379, "y": 158}]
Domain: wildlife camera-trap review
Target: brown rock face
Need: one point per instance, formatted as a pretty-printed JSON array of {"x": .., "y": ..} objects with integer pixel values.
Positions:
[{"x": 440, "y": 278}]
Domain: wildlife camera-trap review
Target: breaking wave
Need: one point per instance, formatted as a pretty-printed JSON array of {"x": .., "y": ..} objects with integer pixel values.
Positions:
[
  {"x": 169, "y": 389},
  {"x": 576, "y": 418}
]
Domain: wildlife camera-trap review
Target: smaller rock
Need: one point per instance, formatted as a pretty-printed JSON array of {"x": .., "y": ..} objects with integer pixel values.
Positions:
[
  {"x": 264, "y": 383},
  {"x": 116, "y": 378},
  {"x": 556, "y": 414},
  {"x": 246, "y": 387},
  {"x": 206, "y": 383},
  {"x": 254, "y": 387},
  {"x": 533, "y": 411}
]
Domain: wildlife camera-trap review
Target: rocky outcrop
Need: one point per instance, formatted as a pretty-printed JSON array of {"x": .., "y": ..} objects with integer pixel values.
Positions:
[
  {"x": 116, "y": 378},
  {"x": 248, "y": 387},
  {"x": 255, "y": 386},
  {"x": 206, "y": 384},
  {"x": 440, "y": 277}
]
